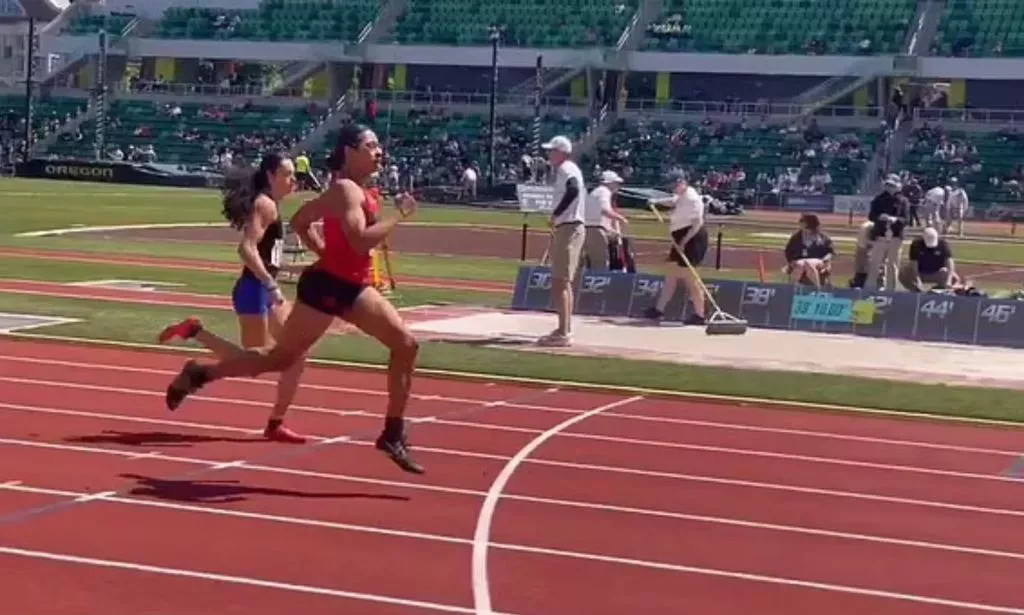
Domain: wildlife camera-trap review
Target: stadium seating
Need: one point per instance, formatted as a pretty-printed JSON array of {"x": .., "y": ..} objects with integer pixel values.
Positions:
[
  {"x": 652, "y": 148},
  {"x": 782, "y": 26},
  {"x": 274, "y": 20},
  {"x": 194, "y": 135},
  {"x": 91, "y": 23},
  {"x": 48, "y": 113},
  {"x": 998, "y": 156},
  {"x": 443, "y": 145},
  {"x": 981, "y": 28},
  {"x": 528, "y": 23}
]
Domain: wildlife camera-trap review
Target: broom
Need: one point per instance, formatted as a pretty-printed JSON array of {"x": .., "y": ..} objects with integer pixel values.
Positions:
[{"x": 720, "y": 322}]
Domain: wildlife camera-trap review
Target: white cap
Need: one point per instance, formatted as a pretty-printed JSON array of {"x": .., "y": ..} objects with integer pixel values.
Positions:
[
  {"x": 560, "y": 144},
  {"x": 931, "y": 237},
  {"x": 610, "y": 177}
]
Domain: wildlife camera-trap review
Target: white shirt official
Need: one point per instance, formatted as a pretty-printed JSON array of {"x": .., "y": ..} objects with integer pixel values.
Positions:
[
  {"x": 575, "y": 211},
  {"x": 599, "y": 203},
  {"x": 688, "y": 209}
]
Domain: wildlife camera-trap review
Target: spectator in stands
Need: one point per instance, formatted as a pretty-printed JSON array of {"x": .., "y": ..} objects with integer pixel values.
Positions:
[
  {"x": 930, "y": 261},
  {"x": 888, "y": 215},
  {"x": 598, "y": 212},
  {"x": 809, "y": 253}
]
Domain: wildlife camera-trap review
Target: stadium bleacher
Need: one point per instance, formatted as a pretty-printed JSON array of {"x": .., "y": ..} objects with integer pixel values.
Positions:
[
  {"x": 48, "y": 113},
  {"x": 529, "y": 23},
  {"x": 987, "y": 165},
  {"x": 782, "y": 26},
  {"x": 274, "y": 20},
  {"x": 91, "y": 23},
  {"x": 194, "y": 135},
  {"x": 441, "y": 144},
  {"x": 981, "y": 28},
  {"x": 653, "y": 148}
]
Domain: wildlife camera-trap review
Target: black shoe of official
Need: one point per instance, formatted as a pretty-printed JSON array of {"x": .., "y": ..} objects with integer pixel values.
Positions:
[
  {"x": 191, "y": 378},
  {"x": 693, "y": 319},
  {"x": 653, "y": 313},
  {"x": 398, "y": 451}
]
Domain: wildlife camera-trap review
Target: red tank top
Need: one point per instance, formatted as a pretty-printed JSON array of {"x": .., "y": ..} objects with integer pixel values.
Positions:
[{"x": 340, "y": 259}]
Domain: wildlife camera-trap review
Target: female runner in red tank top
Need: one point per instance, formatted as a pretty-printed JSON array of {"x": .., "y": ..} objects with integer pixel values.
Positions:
[{"x": 338, "y": 285}]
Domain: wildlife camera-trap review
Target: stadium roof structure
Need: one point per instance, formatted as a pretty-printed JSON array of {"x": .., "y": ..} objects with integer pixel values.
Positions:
[
  {"x": 367, "y": 49},
  {"x": 21, "y": 10}
]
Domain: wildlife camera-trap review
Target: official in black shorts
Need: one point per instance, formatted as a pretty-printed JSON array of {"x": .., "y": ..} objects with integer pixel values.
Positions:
[{"x": 687, "y": 229}]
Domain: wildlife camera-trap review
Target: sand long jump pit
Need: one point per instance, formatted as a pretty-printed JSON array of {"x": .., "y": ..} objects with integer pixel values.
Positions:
[{"x": 767, "y": 349}]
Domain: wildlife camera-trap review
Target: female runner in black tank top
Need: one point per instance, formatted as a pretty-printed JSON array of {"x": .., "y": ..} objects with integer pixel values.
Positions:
[{"x": 251, "y": 206}]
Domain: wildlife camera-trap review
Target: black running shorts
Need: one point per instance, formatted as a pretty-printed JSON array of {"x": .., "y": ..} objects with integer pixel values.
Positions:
[{"x": 327, "y": 293}]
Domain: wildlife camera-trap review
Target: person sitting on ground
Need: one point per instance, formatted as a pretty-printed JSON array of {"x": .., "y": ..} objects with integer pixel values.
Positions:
[
  {"x": 930, "y": 262},
  {"x": 809, "y": 253}
]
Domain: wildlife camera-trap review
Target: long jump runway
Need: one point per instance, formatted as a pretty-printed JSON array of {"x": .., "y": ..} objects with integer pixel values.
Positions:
[{"x": 535, "y": 502}]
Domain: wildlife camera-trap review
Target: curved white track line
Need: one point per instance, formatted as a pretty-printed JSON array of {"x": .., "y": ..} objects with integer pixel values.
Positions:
[{"x": 482, "y": 535}]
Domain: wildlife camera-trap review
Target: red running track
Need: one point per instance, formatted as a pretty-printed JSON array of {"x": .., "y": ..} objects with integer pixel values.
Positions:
[{"x": 111, "y": 504}]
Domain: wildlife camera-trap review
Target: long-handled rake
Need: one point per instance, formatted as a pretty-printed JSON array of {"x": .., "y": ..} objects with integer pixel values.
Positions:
[{"x": 720, "y": 322}]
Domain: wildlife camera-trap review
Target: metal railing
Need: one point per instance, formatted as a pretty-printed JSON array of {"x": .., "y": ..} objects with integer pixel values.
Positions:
[
  {"x": 206, "y": 89},
  {"x": 672, "y": 107},
  {"x": 983, "y": 116}
]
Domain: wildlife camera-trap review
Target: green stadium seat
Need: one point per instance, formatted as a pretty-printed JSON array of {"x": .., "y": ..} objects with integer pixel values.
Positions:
[
  {"x": 200, "y": 130},
  {"x": 653, "y": 148},
  {"x": 274, "y": 20},
  {"x": 442, "y": 145},
  {"x": 90, "y": 23},
  {"x": 48, "y": 114},
  {"x": 782, "y": 26},
  {"x": 528, "y": 23},
  {"x": 981, "y": 28},
  {"x": 988, "y": 170}
]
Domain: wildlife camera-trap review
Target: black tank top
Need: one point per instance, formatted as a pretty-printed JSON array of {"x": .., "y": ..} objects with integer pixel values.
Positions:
[{"x": 270, "y": 247}]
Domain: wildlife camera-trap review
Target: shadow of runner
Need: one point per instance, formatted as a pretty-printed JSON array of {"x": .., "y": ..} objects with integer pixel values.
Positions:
[
  {"x": 228, "y": 491},
  {"x": 157, "y": 438}
]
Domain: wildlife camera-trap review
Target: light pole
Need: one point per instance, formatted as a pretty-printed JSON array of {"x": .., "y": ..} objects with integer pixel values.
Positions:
[{"x": 494, "y": 33}]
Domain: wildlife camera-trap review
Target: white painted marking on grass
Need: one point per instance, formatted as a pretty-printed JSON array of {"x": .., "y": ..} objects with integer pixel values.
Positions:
[
  {"x": 482, "y": 534},
  {"x": 236, "y": 580},
  {"x": 35, "y": 321},
  {"x": 56, "y": 232}
]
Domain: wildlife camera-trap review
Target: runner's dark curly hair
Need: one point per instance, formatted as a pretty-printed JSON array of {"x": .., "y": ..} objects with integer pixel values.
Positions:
[{"x": 243, "y": 187}]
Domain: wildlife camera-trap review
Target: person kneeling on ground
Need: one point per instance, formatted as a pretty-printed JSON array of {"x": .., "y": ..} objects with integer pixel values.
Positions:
[
  {"x": 930, "y": 261},
  {"x": 809, "y": 253}
]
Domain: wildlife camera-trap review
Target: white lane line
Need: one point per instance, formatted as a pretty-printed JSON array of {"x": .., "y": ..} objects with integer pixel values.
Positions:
[
  {"x": 996, "y": 477},
  {"x": 540, "y": 408},
  {"x": 232, "y": 579},
  {"x": 482, "y": 534}
]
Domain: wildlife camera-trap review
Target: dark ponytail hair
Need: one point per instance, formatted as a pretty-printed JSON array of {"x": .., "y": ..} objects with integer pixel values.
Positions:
[
  {"x": 243, "y": 186},
  {"x": 350, "y": 136}
]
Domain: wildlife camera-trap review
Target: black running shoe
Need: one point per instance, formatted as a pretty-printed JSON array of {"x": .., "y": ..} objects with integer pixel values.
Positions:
[
  {"x": 191, "y": 378},
  {"x": 399, "y": 453},
  {"x": 653, "y": 313}
]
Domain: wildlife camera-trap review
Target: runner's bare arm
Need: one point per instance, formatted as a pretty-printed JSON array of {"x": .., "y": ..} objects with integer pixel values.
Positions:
[
  {"x": 302, "y": 223},
  {"x": 361, "y": 236},
  {"x": 263, "y": 212}
]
